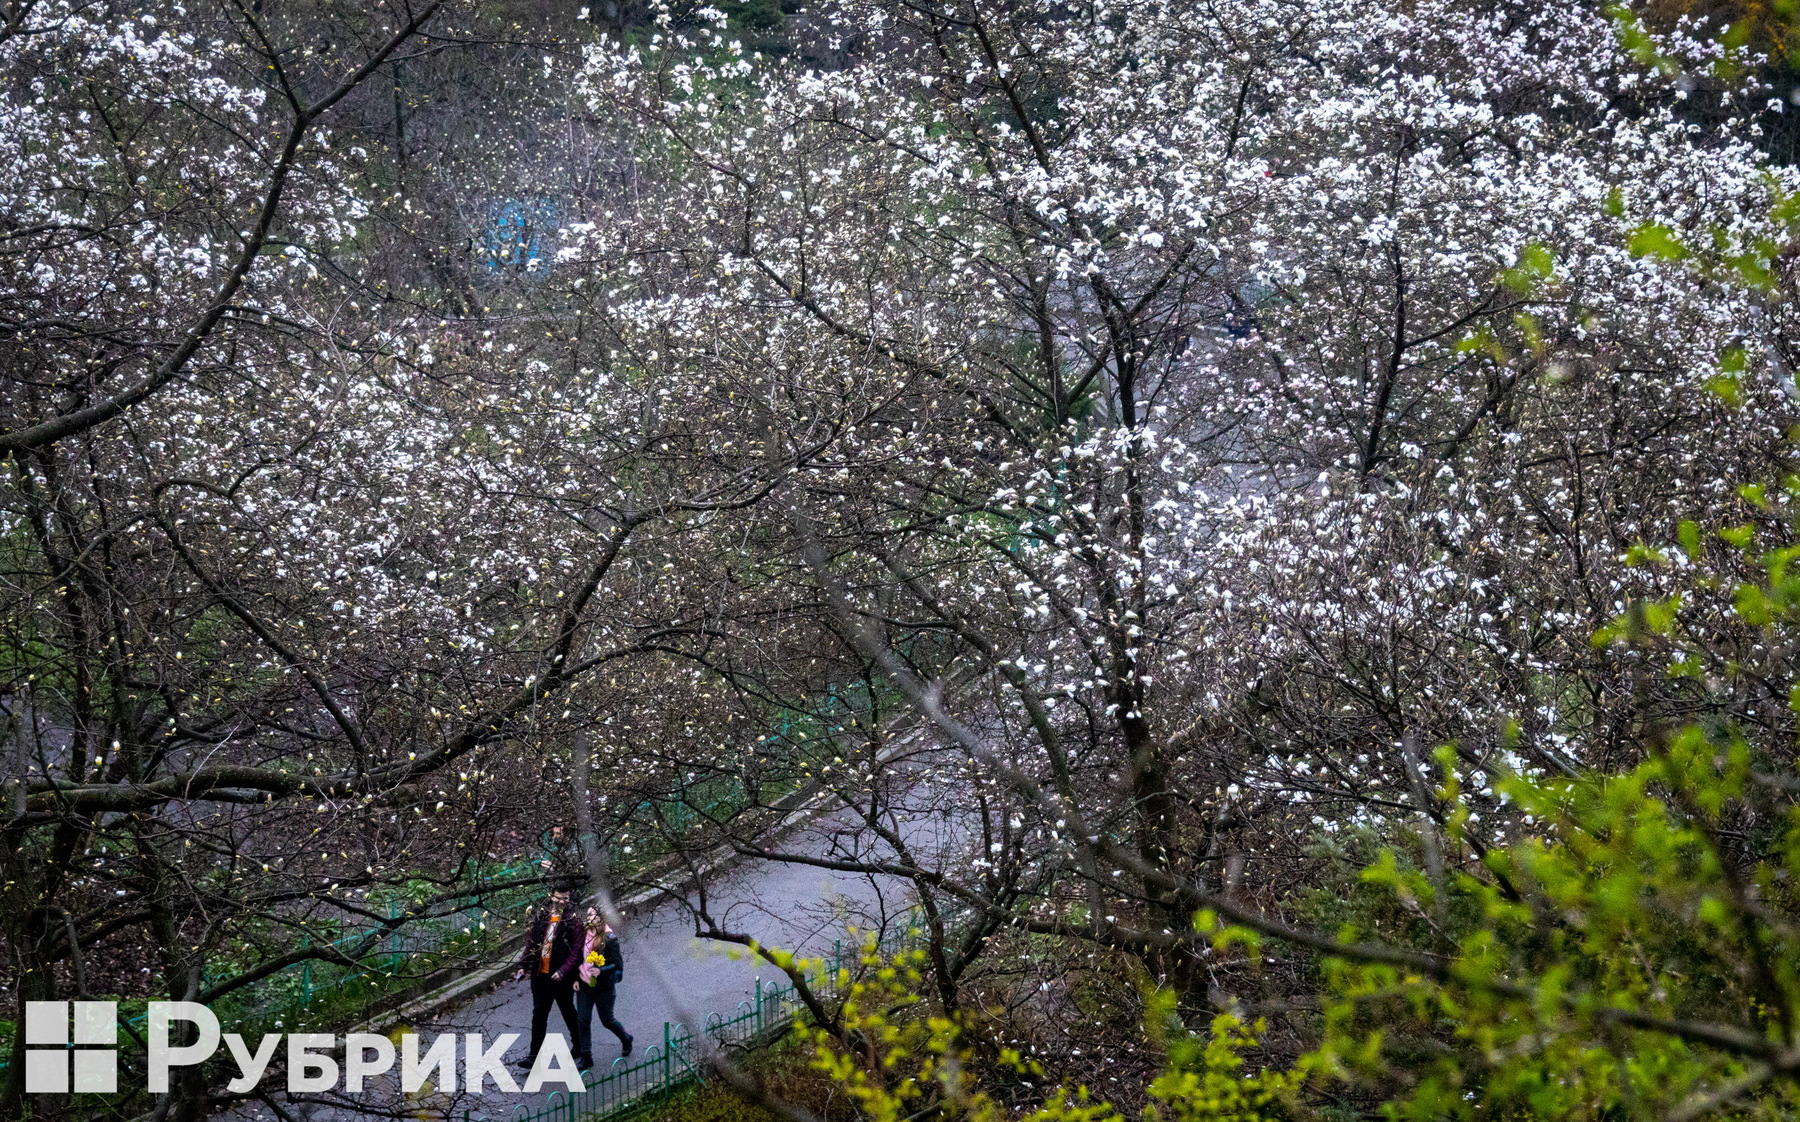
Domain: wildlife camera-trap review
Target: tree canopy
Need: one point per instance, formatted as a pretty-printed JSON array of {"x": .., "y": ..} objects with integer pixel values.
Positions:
[{"x": 1298, "y": 494}]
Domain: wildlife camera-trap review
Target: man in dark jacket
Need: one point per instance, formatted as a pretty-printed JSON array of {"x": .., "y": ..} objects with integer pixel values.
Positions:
[
  {"x": 601, "y": 970},
  {"x": 561, "y": 857},
  {"x": 555, "y": 942}
]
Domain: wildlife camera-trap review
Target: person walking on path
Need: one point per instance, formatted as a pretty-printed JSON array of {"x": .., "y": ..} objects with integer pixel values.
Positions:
[
  {"x": 601, "y": 968},
  {"x": 554, "y": 945},
  {"x": 560, "y": 856}
]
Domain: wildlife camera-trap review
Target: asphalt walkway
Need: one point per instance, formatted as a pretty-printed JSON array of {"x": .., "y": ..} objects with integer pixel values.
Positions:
[{"x": 671, "y": 974}]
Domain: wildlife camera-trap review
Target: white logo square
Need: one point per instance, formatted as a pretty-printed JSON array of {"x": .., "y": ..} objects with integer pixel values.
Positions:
[
  {"x": 46, "y": 1022},
  {"x": 96, "y": 1022},
  {"x": 96, "y": 1072},
  {"x": 46, "y": 1071}
]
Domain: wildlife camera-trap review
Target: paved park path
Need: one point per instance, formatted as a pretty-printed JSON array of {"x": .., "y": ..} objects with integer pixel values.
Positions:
[
  {"x": 795, "y": 907},
  {"x": 669, "y": 972}
]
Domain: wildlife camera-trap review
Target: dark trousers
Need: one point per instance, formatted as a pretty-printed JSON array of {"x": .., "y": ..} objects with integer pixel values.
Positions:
[
  {"x": 588, "y": 1001},
  {"x": 544, "y": 991}
]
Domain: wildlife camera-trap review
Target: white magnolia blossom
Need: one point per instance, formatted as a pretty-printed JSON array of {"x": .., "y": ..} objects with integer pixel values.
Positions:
[
  {"x": 150, "y": 182},
  {"x": 1317, "y": 360}
]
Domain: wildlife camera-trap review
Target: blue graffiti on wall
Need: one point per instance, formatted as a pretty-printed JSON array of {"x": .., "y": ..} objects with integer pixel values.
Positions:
[{"x": 519, "y": 237}]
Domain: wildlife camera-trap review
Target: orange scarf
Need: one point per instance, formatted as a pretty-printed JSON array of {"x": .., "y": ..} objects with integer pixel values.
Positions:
[{"x": 549, "y": 939}]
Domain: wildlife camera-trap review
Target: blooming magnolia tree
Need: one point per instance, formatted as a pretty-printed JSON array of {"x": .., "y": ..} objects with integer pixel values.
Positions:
[
  {"x": 1109, "y": 447},
  {"x": 158, "y": 202},
  {"x": 241, "y": 690},
  {"x": 1246, "y": 397}
]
